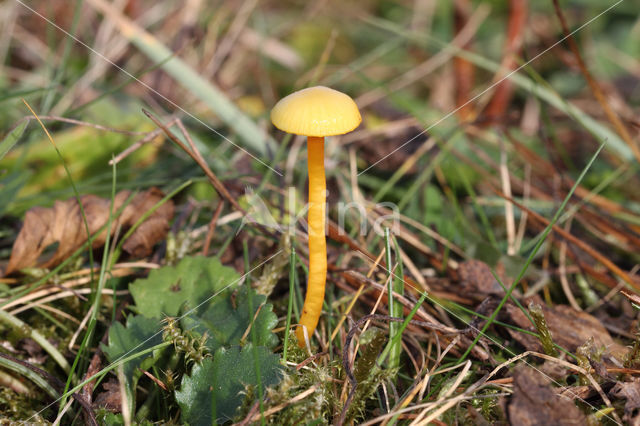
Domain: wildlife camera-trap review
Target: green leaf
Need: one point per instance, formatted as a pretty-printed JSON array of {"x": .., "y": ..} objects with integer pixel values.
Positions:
[
  {"x": 226, "y": 320},
  {"x": 140, "y": 333},
  {"x": 174, "y": 289},
  {"x": 12, "y": 138},
  {"x": 214, "y": 390},
  {"x": 107, "y": 418}
]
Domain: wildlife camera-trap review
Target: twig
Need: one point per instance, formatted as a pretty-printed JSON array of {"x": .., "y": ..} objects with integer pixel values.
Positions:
[
  {"x": 200, "y": 161},
  {"x": 136, "y": 145},
  {"x": 310, "y": 359},
  {"x": 252, "y": 411},
  {"x": 154, "y": 379}
]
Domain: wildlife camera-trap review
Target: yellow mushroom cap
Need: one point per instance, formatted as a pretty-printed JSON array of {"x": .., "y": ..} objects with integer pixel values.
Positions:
[{"x": 316, "y": 111}]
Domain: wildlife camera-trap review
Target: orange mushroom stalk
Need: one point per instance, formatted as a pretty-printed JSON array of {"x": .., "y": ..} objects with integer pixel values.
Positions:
[{"x": 315, "y": 112}]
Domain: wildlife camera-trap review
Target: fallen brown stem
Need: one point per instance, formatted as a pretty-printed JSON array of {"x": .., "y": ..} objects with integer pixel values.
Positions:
[{"x": 136, "y": 145}]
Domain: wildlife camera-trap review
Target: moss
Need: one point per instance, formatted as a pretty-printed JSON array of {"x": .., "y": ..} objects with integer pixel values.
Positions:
[
  {"x": 21, "y": 407},
  {"x": 632, "y": 360},
  {"x": 193, "y": 347},
  {"x": 543, "y": 330}
]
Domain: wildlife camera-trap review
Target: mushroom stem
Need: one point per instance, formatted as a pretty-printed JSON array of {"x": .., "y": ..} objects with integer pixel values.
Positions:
[{"x": 317, "y": 240}]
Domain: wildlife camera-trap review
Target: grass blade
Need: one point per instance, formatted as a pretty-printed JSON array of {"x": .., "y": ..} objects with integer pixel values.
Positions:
[
  {"x": 12, "y": 138},
  {"x": 292, "y": 279},
  {"x": 395, "y": 307}
]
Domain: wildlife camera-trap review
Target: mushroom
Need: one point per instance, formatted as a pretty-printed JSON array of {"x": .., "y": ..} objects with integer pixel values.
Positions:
[{"x": 315, "y": 112}]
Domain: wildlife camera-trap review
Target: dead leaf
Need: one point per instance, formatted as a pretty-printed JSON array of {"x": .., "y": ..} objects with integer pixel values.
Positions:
[
  {"x": 569, "y": 328},
  {"x": 534, "y": 402},
  {"x": 476, "y": 278},
  {"x": 63, "y": 224},
  {"x": 631, "y": 392},
  {"x": 37, "y": 355},
  {"x": 109, "y": 398}
]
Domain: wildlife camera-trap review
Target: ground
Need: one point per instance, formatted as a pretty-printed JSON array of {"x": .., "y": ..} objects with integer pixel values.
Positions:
[{"x": 483, "y": 222}]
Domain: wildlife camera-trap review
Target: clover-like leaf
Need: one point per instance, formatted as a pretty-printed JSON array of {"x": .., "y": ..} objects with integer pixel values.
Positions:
[
  {"x": 226, "y": 320},
  {"x": 174, "y": 289},
  {"x": 139, "y": 334},
  {"x": 214, "y": 390}
]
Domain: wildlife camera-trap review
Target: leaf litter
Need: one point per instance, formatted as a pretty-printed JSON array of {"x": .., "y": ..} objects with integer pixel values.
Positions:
[
  {"x": 535, "y": 402},
  {"x": 63, "y": 225}
]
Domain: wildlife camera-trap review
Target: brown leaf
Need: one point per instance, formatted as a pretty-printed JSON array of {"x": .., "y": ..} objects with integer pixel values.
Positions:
[
  {"x": 631, "y": 392},
  {"x": 476, "y": 278},
  {"x": 109, "y": 398},
  {"x": 63, "y": 224},
  {"x": 534, "y": 402},
  {"x": 569, "y": 329},
  {"x": 152, "y": 230}
]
